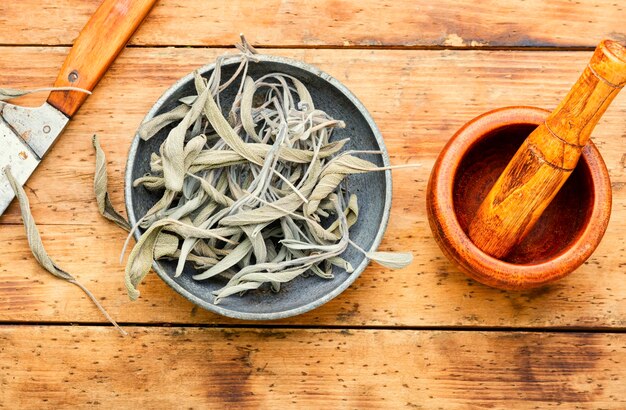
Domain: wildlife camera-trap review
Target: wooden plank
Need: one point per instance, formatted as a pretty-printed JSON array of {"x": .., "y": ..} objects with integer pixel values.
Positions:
[
  {"x": 336, "y": 23},
  {"x": 428, "y": 293},
  {"x": 418, "y": 102},
  {"x": 418, "y": 98},
  {"x": 198, "y": 368}
]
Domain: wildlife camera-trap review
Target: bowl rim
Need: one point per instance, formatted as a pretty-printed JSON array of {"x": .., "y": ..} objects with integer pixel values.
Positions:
[
  {"x": 262, "y": 58},
  {"x": 472, "y": 260}
]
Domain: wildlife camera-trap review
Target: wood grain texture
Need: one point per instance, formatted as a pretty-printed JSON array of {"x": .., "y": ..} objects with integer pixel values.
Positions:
[
  {"x": 418, "y": 98},
  {"x": 418, "y": 101},
  {"x": 46, "y": 367},
  {"x": 336, "y": 23}
]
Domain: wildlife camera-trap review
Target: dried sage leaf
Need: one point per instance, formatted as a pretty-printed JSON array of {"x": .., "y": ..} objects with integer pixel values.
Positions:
[
  {"x": 148, "y": 129},
  {"x": 36, "y": 246},
  {"x": 392, "y": 260},
  {"x": 100, "y": 182}
]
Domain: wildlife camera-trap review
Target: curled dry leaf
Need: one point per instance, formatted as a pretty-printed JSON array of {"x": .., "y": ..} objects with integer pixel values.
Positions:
[
  {"x": 39, "y": 252},
  {"x": 100, "y": 182}
]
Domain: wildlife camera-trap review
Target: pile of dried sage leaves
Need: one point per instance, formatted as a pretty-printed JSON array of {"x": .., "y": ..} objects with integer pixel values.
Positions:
[{"x": 258, "y": 196}]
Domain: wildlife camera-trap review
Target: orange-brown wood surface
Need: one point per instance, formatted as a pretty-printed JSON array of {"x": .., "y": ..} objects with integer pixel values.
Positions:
[
  {"x": 305, "y": 368},
  {"x": 334, "y": 23},
  {"x": 422, "y": 337}
]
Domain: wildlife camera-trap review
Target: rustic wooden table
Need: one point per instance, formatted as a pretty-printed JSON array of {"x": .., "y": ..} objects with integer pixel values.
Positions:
[{"x": 422, "y": 337}]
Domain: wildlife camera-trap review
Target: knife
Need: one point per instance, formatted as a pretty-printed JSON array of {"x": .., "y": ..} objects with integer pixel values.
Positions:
[{"x": 27, "y": 134}]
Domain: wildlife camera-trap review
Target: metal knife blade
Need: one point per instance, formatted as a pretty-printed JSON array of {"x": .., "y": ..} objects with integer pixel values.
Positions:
[{"x": 26, "y": 135}]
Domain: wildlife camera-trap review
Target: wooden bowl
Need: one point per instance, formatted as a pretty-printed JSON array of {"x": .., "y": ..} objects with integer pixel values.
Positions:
[{"x": 567, "y": 233}]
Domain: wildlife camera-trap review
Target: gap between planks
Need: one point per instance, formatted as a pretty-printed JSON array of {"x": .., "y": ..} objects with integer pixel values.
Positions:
[
  {"x": 389, "y": 47},
  {"x": 248, "y": 326}
]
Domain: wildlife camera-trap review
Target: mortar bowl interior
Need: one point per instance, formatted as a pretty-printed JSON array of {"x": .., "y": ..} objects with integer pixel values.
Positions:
[{"x": 568, "y": 231}]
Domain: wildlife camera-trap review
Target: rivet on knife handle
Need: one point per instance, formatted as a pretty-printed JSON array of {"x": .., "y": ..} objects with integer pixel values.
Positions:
[{"x": 99, "y": 42}]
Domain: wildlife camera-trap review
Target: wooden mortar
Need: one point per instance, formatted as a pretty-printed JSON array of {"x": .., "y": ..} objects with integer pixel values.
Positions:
[
  {"x": 564, "y": 237},
  {"x": 498, "y": 181}
]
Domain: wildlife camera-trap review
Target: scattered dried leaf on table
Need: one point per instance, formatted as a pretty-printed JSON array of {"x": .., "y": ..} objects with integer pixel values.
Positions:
[{"x": 39, "y": 252}]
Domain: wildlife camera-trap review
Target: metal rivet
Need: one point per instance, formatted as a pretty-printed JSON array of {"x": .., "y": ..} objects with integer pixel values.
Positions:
[
  {"x": 46, "y": 129},
  {"x": 73, "y": 76}
]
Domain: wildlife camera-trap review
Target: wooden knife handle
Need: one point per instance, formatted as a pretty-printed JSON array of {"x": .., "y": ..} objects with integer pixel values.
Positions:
[
  {"x": 99, "y": 42},
  {"x": 548, "y": 156}
]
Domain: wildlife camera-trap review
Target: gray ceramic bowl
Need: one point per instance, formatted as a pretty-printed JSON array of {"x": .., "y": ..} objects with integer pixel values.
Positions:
[{"x": 373, "y": 190}]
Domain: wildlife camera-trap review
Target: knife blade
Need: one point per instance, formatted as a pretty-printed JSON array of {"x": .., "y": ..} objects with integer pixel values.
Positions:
[{"x": 26, "y": 135}]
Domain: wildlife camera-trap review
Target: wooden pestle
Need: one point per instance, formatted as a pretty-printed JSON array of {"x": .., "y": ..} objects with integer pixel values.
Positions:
[{"x": 548, "y": 156}]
